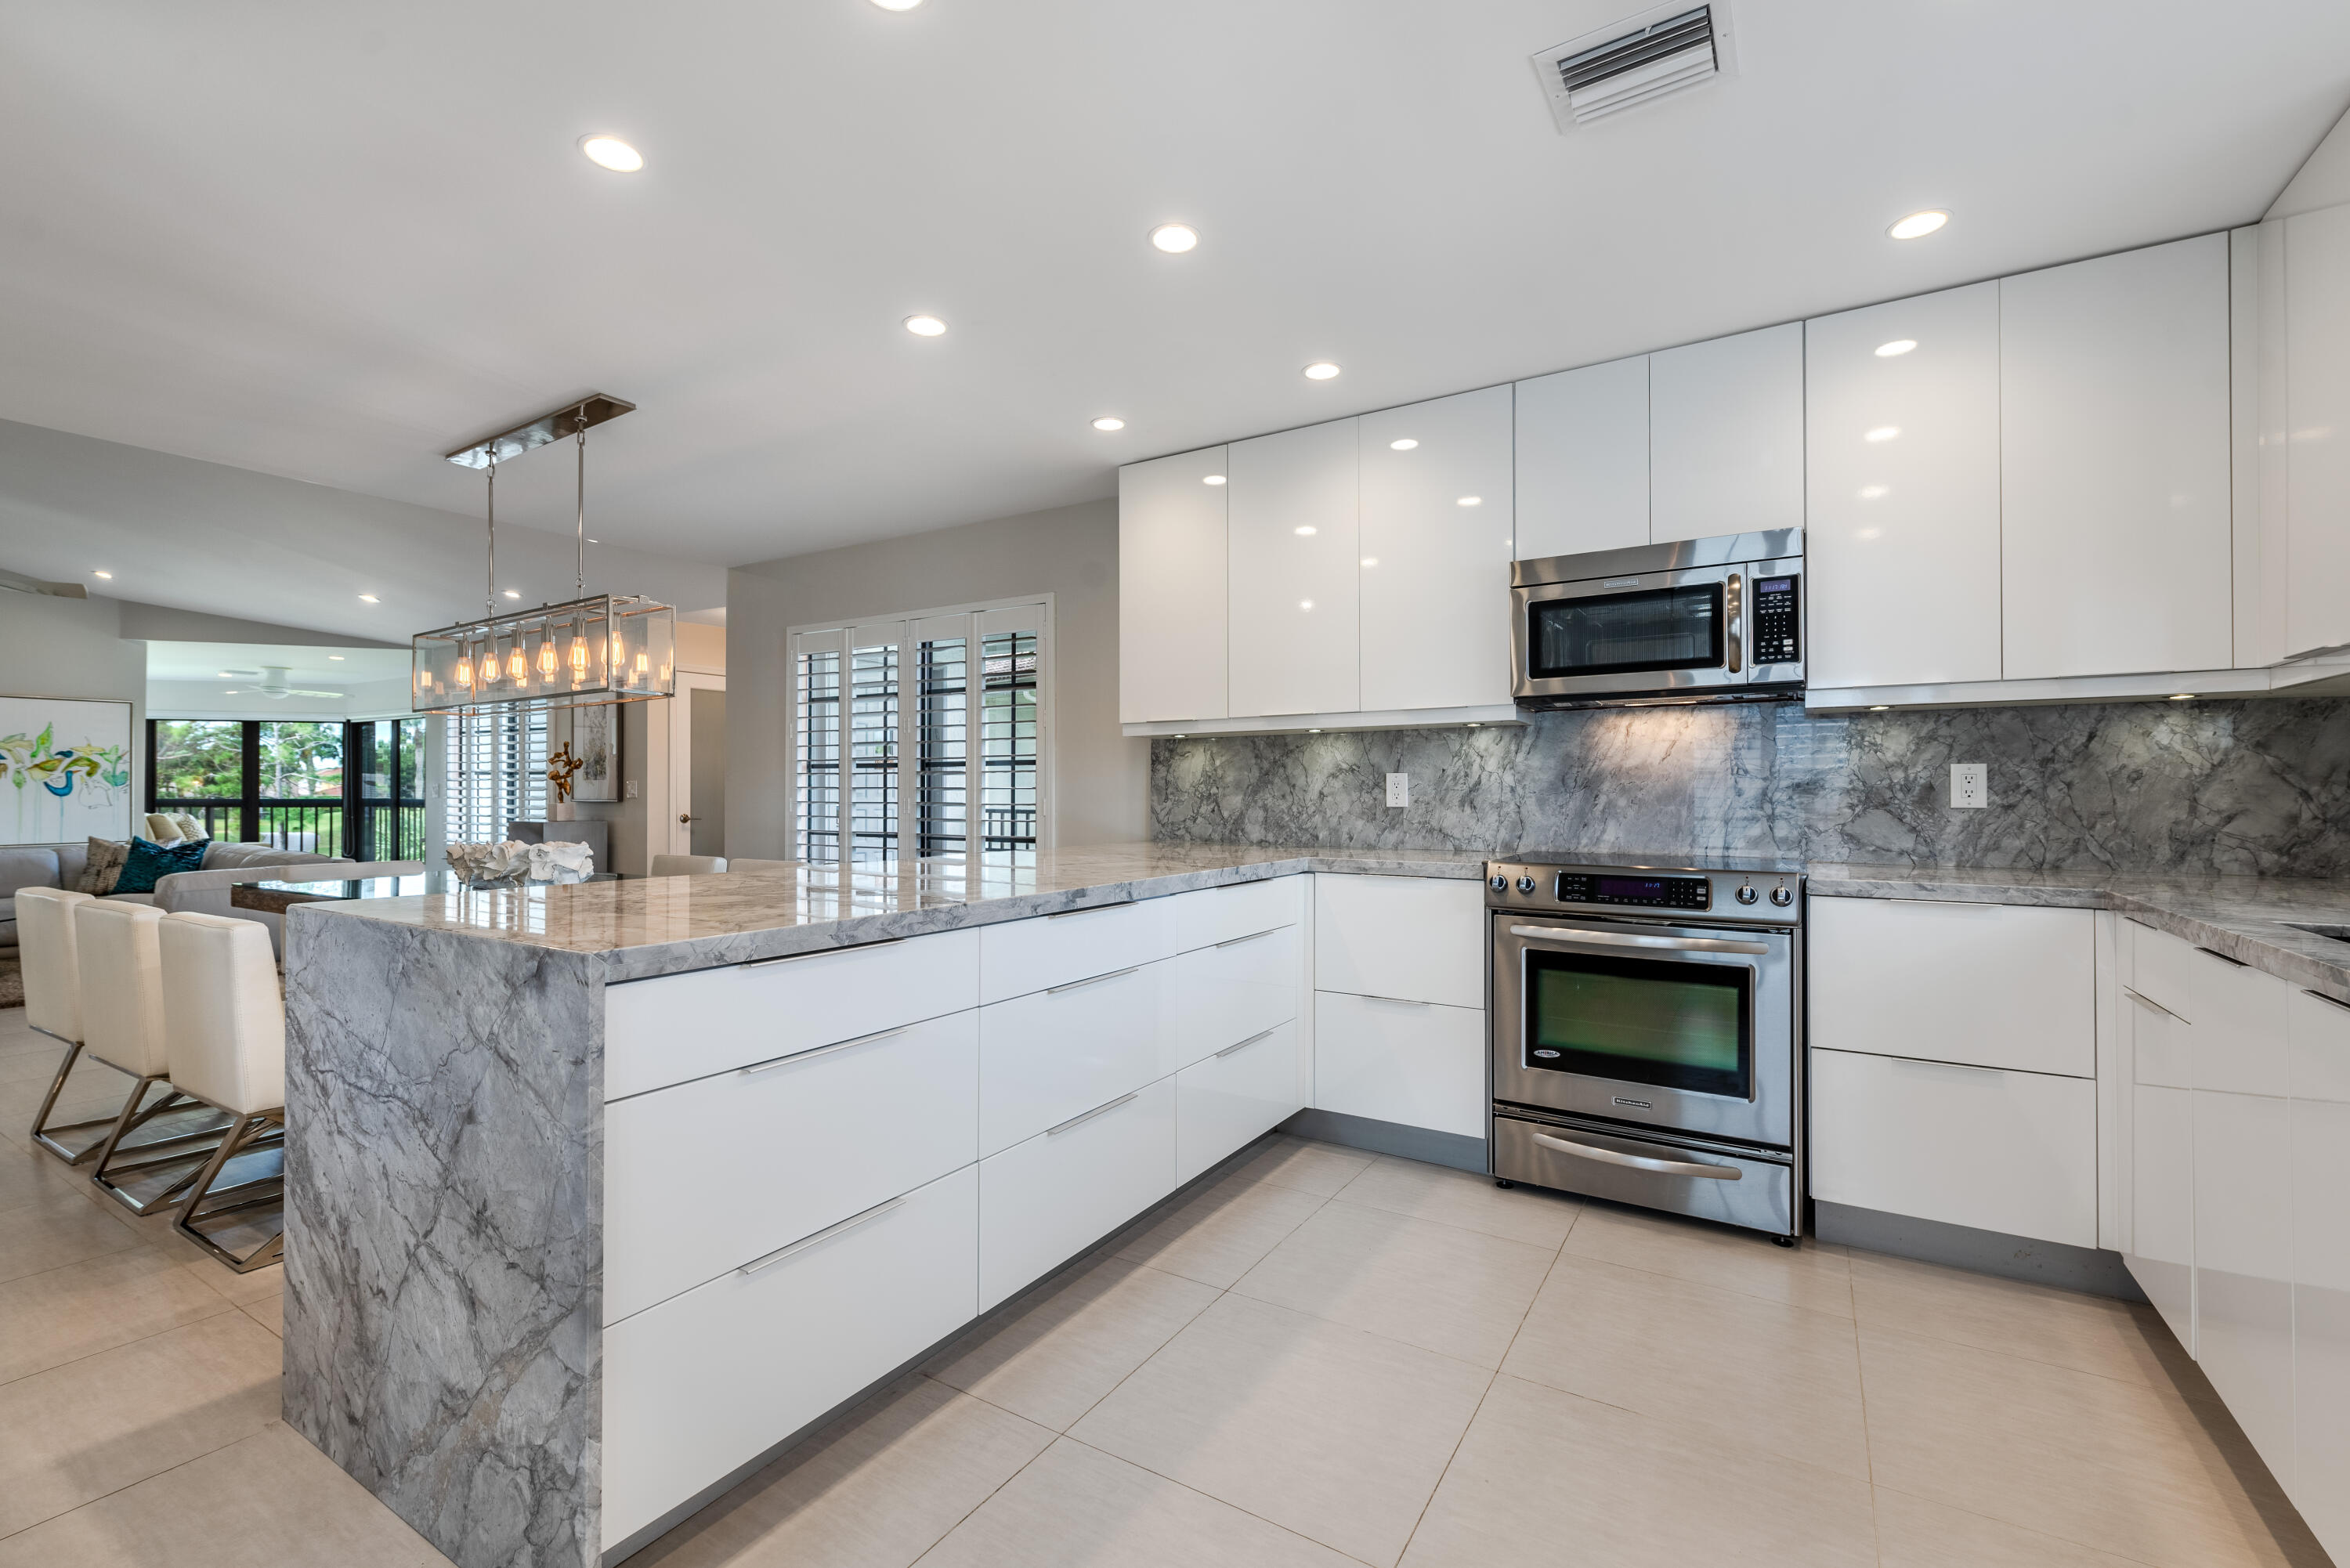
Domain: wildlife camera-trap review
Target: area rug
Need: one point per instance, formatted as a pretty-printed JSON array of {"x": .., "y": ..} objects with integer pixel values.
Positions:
[{"x": 12, "y": 982}]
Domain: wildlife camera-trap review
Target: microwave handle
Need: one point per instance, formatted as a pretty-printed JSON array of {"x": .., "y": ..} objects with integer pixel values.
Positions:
[{"x": 1733, "y": 620}]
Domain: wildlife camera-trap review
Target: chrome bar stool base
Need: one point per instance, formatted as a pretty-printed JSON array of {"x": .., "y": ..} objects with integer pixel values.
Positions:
[
  {"x": 171, "y": 1118},
  {"x": 151, "y": 1173},
  {"x": 238, "y": 1199}
]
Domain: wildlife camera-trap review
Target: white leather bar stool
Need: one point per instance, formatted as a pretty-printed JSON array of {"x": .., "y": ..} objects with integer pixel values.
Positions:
[
  {"x": 122, "y": 1026},
  {"x": 225, "y": 1034},
  {"x": 52, "y": 969},
  {"x": 687, "y": 864}
]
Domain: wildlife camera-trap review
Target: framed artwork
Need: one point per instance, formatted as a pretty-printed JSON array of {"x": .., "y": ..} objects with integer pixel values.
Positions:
[
  {"x": 65, "y": 770},
  {"x": 594, "y": 738}
]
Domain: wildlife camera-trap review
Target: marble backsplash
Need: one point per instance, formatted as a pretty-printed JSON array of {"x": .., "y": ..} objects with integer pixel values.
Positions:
[{"x": 2219, "y": 787}]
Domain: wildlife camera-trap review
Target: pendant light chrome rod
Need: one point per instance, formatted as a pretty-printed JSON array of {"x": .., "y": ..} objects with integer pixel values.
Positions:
[
  {"x": 579, "y": 579},
  {"x": 490, "y": 588}
]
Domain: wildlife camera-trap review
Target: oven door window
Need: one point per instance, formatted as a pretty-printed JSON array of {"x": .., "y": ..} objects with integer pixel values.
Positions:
[
  {"x": 1610, "y": 634},
  {"x": 1677, "y": 1025}
]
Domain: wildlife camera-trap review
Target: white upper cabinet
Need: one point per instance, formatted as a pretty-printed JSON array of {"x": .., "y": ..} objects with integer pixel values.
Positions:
[
  {"x": 1726, "y": 435},
  {"x": 1902, "y": 504},
  {"x": 2116, "y": 503},
  {"x": 1171, "y": 588},
  {"x": 1583, "y": 460},
  {"x": 1295, "y": 565},
  {"x": 2317, "y": 429},
  {"x": 1436, "y": 550}
]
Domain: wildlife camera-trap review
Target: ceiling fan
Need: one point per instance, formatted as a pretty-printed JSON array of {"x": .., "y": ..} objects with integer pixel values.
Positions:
[{"x": 272, "y": 682}]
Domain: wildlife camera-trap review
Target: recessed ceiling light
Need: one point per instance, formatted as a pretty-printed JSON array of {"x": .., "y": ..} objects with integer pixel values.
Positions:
[
  {"x": 1883, "y": 433},
  {"x": 1404, "y": 445},
  {"x": 1303, "y": 530},
  {"x": 1917, "y": 225},
  {"x": 369, "y": 599},
  {"x": 1872, "y": 491},
  {"x": 611, "y": 152},
  {"x": 1213, "y": 479},
  {"x": 107, "y": 576},
  {"x": 1470, "y": 501},
  {"x": 1370, "y": 560},
  {"x": 1320, "y": 370},
  {"x": 1174, "y": 238},
  {"x": 1108, "y": 423},
  {"x": 1306, "y": 604},
  {"x": 1899, "y": 346},
  {"x": 335, "y": 657},
  {"x": 896, "y": 4},
  {"x": 513, "y": 594},
  {"x": 925, "y": 325}
]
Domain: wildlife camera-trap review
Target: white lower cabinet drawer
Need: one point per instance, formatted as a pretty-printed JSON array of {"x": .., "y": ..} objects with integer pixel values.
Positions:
[
  {"x": 1053, "y": 1054},
  {"x": 1414, "y": 1062},
  {"x": 1997, "y": 1150},
  {"x": 1224, "y": 1101},
  {"x": 1239, "y": 988},
  {"x": 1237, "y": 909},
  {"x": 704, "y": 1383},
  {"x": 702, "y": 1177},
  {"x": 1042, "y": 1201},
  {"x": 1021, "y": 956}
]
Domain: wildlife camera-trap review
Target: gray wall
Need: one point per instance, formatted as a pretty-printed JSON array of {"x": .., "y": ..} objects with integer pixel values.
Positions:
[
  {"x": 2223, "y": 786},
  {"x": 1101, "y": 779},
  {"x": 74, "y": 647}
]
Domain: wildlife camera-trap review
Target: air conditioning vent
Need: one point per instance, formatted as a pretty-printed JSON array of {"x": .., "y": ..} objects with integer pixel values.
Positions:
[{"x": 1659, "y": 52}]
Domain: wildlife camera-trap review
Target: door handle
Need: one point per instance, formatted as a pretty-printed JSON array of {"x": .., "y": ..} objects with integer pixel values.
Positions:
[
  {"x": 1641, "y": 1161},
  {"x": 1567, "y": 937},
  {"x": 684, "y": 816},
  {"x": 1733, "y": 617}
]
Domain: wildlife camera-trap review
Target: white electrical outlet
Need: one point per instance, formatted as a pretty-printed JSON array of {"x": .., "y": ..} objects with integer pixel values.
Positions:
[
  {"x": 632, "y": 789},
  {"x": 1399, "y": 789},
  {"x": 1970, "y": 786}
]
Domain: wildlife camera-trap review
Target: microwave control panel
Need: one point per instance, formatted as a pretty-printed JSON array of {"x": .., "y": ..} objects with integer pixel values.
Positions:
[{"x": 1778, "y": 635}]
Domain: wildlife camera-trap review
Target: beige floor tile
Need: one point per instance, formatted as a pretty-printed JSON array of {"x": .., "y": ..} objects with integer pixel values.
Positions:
[
  {"x": 1220, "y": 1232},
  {"x": 1078, "y": 1507},
  {"x": 35, "y": 1061},
  {"x": 79, "y": 1431},
  {"x": 1464, "y": 1199},
  {"x": 1545, "y": 1479},
  {"x": 2064, "y": 1328},
  {"x": 874, "y": 1494},
  {"x": 269, "y": 1312},
  {"x": 242, "y": 1289},
  {"x": 1056, "y": 1360},
  {"x": 27, "y": 1174},
  {"x": 1317, "y": 1168},
  {"x": 1912, "y": 1532},
  {"x": 1458, "y": 1292},
  {"x": 1753, "y": 1371},
  {"x": 1323, "y": 1430},
  {"x": 63, "y": 1314},
  {"x": 1812, "y": 1274},
  {"x": 2099, "y": 1461},
  {"x": 270, "y": 1498},
  {"x": 52, "y": 1227}
]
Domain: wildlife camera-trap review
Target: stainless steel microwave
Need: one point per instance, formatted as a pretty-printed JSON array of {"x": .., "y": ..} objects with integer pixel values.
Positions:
[{"x": 1698, "y": 620}]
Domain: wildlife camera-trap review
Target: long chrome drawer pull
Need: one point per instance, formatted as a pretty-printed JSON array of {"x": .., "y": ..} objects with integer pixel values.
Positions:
[
  {"x": 1088, "y": 910},
  {"x": 823, "y": 1050},
  {"x": 1253, "y": 936},
  {"x": 1083, "y": 1117},
  {"x": 2331, "y": 1000},
  {"x": 1244, "y": 1044},
  {"x": 2224, "y": 958},
  {"x": 1399, "y": 1001},
  {"x": 2141, "y": 996},
  {"x": 1626, "y": 940},
  {"x": 1930, "y": 1063},
  {"x": 1641, "y": 1161},
  {"x": 1095, "y": 980},
  {"x": 820, "y": 952},
  {"x": 829, "y": 1231}
]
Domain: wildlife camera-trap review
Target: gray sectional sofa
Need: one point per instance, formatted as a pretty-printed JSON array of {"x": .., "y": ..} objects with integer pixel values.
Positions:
[{"x": 60, "y": 866}]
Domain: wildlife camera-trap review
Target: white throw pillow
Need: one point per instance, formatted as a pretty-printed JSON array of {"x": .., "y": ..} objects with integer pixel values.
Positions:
[
  {"x": 189, "y": 826},
  {"x": 162, "y": 829}
]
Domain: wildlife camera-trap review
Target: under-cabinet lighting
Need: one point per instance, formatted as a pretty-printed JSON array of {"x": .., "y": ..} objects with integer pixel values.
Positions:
[{"x": 2182, "y": 697}]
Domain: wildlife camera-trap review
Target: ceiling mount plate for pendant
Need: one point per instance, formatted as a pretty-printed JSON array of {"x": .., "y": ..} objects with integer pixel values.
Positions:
[{"x": 573, "y": 417}]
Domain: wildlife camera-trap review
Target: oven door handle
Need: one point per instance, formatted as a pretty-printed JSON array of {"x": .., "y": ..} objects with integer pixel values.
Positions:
[
  {"x": 1641, "y": 1161},
  {"x": 1568, "y": 937}
]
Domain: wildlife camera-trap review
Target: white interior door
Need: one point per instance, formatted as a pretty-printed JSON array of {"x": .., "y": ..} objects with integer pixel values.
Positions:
[{"x": 697, "y": 799}]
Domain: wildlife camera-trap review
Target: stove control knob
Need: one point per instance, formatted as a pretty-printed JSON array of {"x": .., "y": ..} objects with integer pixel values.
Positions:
[
  {"x": 1501, "y": 884},
  {"x": 1783, "y": 896},
  {"x": 1525, "y": 884},
  {"x": 1746, "y": 894}
]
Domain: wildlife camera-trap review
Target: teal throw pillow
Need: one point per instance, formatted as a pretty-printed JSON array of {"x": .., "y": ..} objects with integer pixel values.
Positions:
[{"x": 147, "y": 861}]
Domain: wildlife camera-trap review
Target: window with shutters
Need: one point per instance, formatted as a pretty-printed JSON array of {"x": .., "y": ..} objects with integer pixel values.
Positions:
[{"x": 923, "y": 735}]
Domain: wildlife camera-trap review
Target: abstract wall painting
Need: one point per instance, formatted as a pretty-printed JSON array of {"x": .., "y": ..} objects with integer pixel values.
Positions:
[{"x": 65, "y": 770}]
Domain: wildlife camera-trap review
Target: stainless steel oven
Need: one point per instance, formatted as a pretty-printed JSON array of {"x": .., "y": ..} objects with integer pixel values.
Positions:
[
  {"x": 1698, "y": 620},
  {"x": 1646, "y": 1033}
]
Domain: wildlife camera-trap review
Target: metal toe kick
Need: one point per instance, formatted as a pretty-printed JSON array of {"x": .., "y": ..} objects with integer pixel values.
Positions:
[{"x": 1734, "y": 1184}]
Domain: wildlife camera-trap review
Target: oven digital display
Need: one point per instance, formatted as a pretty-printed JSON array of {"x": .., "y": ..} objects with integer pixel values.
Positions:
[{"x": 1638, "y": 892}]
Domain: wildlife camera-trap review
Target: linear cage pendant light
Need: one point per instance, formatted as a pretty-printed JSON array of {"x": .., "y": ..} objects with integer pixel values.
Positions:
[{"x": 591, "y": 651}]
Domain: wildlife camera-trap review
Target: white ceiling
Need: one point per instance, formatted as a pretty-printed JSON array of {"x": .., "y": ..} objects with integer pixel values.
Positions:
[
  {"x": 331, "y": 242},
  {"x": 321, "y": 668}
]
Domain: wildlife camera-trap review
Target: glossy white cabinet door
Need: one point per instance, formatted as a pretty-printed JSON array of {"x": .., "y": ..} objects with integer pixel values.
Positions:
[
  {"x": 704, "y": 1176},
  {"x": 1227, "y": 1100},
  {"x": 1436, "y": 552},
  {"x": 1044, "y": 1201},
  {"x": 1413, "y": 1062},
  {"x": 1017, "y": 957},
  {"x": 1422, "y": 938},
  {"x": 1238, "y": 989},
  {"x": 1172, "y": 588},
  {"x": 1726, "y": 435},
  {"x": 2115, "y": 505},
  {"x": 1901, "y": 552},
  {"x": 2240, "y": 1027},
  {"x": 2321, "y": 1314},
  {"x": 1990, "y": 985},
  {"x": 2243, "y": 1263},
  {"x": 1583, "y": 460},
  {"x": 2012, "y": 1152},
  {"x": 2161, "y": 1255},
  {"x": 704, "y": 1383},
  {"x": 2159, "y": 967},
  {"x": 2318, "y": 1035},
  {"x": 1053, "y": 1054},
  {"x": 1215, "y": 915},
  {"x": 1295, "y": 573},
  {"x": 2317, "y": 400}
]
